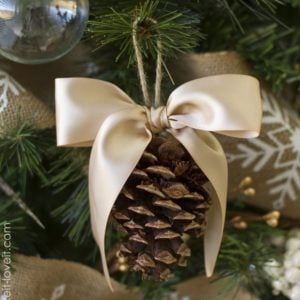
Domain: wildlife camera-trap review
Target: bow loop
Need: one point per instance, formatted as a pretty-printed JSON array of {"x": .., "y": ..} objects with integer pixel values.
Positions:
[
  {"x": 82, "y": 105},
  {"x": 228, "y": 104}
]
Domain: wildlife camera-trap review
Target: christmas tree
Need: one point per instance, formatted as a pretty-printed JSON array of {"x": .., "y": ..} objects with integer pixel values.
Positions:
[{"x": 154, "y": 235}]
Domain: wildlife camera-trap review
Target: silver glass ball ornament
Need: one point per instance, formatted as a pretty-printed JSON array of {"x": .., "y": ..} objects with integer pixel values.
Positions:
[{"x": 39, "y": 31}]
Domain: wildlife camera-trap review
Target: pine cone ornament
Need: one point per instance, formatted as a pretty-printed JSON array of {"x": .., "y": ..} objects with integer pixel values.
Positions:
[{"x": 162, "y": 201}]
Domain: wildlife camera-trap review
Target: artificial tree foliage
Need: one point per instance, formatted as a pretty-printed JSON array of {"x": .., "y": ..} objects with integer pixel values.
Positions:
[{"x": 52, "y": 182}]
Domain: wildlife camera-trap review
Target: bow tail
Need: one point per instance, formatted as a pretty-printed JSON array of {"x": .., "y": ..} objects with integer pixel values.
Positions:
[
  {"x": 210, "y": 157},
  {"x": 117, "y": 149}
]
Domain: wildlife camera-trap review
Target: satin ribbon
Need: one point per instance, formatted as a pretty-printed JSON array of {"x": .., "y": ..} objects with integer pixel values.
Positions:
[{"x": 97, "y": 113}]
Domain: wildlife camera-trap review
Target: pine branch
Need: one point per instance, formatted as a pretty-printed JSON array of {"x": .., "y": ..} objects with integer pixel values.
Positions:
[
  {"x": 177, "y": 32},
  {"x": 68, "y": 167},
  {"x": 272, "y": 46},
  {"x": 75, "y": 214},
  {"x": 275, "y": 51},
  {"x": 22, "y": 151},
  {"x": 262, "y": 9},
  {"x": 68, "y": 176},
  {"x": 225, "y": 24},
  {"x": 244, "y": 254}
]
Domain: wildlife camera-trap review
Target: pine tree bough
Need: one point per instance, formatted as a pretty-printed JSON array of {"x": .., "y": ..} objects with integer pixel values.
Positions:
[{"x": 162, "y": 200}]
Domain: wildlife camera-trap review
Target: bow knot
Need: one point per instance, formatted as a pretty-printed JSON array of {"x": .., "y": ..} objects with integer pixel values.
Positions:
[{"x": 157, "y": 118}]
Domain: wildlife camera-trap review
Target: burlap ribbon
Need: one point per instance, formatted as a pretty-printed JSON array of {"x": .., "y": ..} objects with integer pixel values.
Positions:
[
  {"x": 97, "y": 113},
  {"x": 18, "y": 105},
  {"x": 35, "y": 278}
]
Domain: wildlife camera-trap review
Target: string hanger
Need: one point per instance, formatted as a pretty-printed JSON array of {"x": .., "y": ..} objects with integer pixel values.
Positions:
[{"x": 141, "y": 69}]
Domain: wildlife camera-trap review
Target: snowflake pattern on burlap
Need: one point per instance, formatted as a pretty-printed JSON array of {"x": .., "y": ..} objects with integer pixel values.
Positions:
[
  {"x": 8, "y": 84},
  {"x": 258, "y": 153}
]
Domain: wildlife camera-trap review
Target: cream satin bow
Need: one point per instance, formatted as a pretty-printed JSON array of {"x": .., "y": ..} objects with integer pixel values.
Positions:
[{"x": 97, "y": 113}]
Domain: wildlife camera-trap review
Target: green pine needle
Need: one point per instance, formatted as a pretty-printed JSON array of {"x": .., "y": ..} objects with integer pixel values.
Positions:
[
  {"x": 244, "y": 254},
  {"x": 177, "y": 32},
  {"x": 22, "y": 150},
  {"x": 67, "y": 176},
  {"x": 74, "y": 213},
  {"x": 68, "y": 167},
  {"x": 276, "y": 53}
]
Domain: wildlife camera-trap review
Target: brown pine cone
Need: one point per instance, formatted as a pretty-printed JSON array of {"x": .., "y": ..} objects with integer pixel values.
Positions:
[{"x": 162, "y": 200}]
